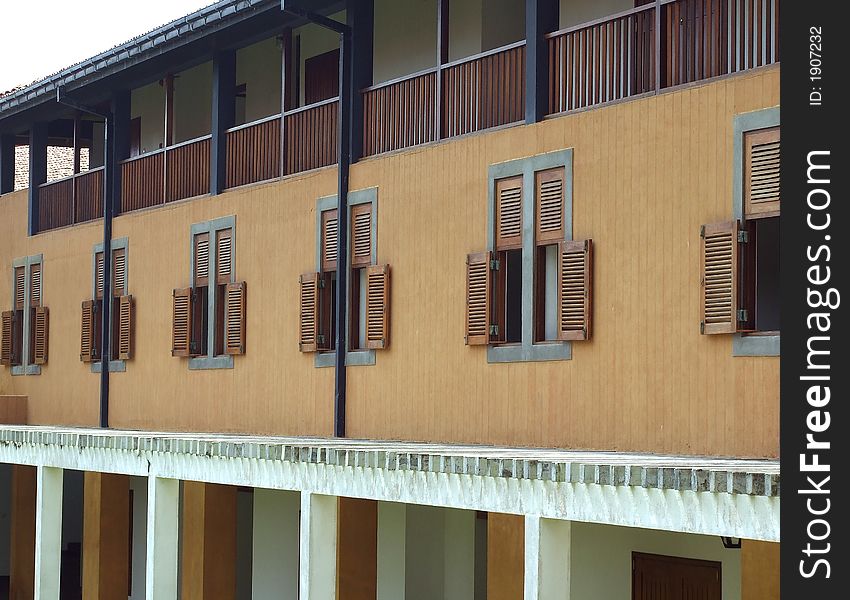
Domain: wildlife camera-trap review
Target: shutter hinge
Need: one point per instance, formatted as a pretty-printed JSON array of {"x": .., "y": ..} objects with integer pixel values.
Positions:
[
  {"x": 494, "y": 330},
  {"x": 743, "y": 236},
  {"x": 322, "y": 283},
  {"x": 494, "y": 264},
  {"x": 320, "y": 339},
  {"x": 702, "y": 231},
  {"x": 743, "y": 315},
  {"x": 194, "y": 348},
  {"x": 702, "y": 327}
]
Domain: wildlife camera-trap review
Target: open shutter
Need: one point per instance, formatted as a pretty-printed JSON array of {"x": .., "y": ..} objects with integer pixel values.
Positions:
[
  {"x": 330, "y": 235},
  {"x": 119, "y": 272},
  {"x": 87, "y": 329},
  {"x": 719, "y": 280},
  {"x": 202, "y": 259},
  {"x": 223, "y": 256},
  {"x": 20, "y": 280},
  {"x": 761, "y": 172},
  {"x": 234, "y": 318},
  {"x": 549, "y": 204},
  {"x": 98, "y": 275},
  {"x": 126, "y": 327},
  {"x": 361, "y": 235},
  {"x": 35, "y": 285},
  {"x": 377, "y": 306},
  {"x": 575, "y": 289},
  {"x": 181, "y": 332},
  {"x": 509, "y": 213},
  {"x": 309, "y": 285},
  {"x": 478, "y": 298},
  {"x": 6, "y": 325},
  {"x": 40, "y": 335}
]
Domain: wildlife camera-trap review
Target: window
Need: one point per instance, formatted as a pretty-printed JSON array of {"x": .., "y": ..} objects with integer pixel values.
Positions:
[
  {"x": 120, "y": 341},
  {"x": 209, "y": 316},
  {"x": 24, "y": 342},
  {"x": 368, "y": 285},
  {"x": 530, "y": 292}
]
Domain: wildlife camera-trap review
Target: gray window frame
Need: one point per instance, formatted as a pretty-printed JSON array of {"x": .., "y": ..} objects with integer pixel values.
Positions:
[
  {"x": 743, "y": 344},
  {"x": 210, "y": 361},
  {"x": 353, "y": 358},
  {"x": 115, "y": 366},
  {"x": 528, "y": 350},
  {"x": 27, "y": 262}
]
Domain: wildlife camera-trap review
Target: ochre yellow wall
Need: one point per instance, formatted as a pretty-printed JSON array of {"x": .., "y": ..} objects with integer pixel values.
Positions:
[
  {"x": 646, "y": 174},
  {"x": 759, "y": 570},
  {"x": 505, "y": 556}
]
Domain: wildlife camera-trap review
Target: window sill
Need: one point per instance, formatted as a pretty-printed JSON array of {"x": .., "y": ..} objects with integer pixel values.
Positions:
[
  {"x": 353, "y": 358},
  {"x": 27, "y": 370},
  {"x": 543, "y": 352},
  {"x": 206, "y": 363},
  {"x": 115, "y": 366},
  {"x": 765, "y": 344}
]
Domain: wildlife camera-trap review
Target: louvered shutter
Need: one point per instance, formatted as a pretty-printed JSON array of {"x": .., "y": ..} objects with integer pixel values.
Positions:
[
  {"x": 223, "y": 256},
  {"x": 329, "y": 240},
  {"x": 309, "y": 314},
  {"x": 575, "y": 289},
  {"x": 377, "y": 306},
  {"x": 87, "y": 331},
  {"x": 361, "y": 235},
  {"x": 761, "y": 172},
  {"x": 98, "y": 274},
  {"x": 126, "y": 327},
  {"x": 509, "y": 213},
  {"x": 119, "y": 272},
  {"x": 7, "y": 320},
  {"x": 234, "y": 318},
  {"x": 181, "y": 332},
  {"x": 719, "y": 281},
  {"x": 35, "y": 285},
  {"x": 40, "y": 335},
  {"x": 20, "y": 280},
  {"x": 478, "y": 283},
  {"x": 202, "y": 259},
  {"x": 549, "y": 202}
]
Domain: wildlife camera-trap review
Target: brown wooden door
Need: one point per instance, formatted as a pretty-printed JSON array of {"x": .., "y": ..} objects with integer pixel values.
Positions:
[
  {"x": 321, "y": 77},
  {"x": 656, "y": 577}
]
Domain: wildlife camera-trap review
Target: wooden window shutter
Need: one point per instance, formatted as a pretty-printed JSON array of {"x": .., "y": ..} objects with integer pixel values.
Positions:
[
  {"x": 575, "y": 289},
  {"x": 234, "y": 318},
  {"x": 549, "y": 205},
  {"x": 377, "y": 306},
  {"x": 87, "y": 331},
  {"x": 181, "y": 332},
  {"x": 761, "y": 172},
  {"x": 223, "y": 256},
  {"x": 7, "y": 320},
  {"x": 361, "y": 235},
  {"x": 509, "y": 213},
  {"x": 330, "y": 235},
  {"x": 478, "y": 298},
  {"x": 202, "y": 259},
  {"x": 20, "y": 280},
  {"x": 126, "y": 327},
  {"x": 719, "y": 277},
  {"x": 309, "y": 328},
  {"x": 98, "y": 275},
  {"x": 40, "y": 335},
  {"x": 35, "y": 285},
  {"x": 119, "y": 272}
]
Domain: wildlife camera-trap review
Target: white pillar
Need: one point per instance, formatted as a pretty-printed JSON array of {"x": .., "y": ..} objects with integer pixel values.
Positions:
[
  {"x": 459, "y": 554},
  {"x": 162, "y": 531},
  {"x": 392, "y": 537},
  {"x": 48, "y": 532},
  {"x": 318, "y": 546},
  {"x": 275, "y": 545},
  {"x": 547, "y": 559}
]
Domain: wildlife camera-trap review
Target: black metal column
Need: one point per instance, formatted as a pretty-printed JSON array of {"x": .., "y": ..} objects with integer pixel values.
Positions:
[
  {"x": 541, "y": 17},
  {"x": 38, "y": 171},
  {"x": 120, "y": 143},
  {"x": 361, "y": 22},
  {"x": 7, "y": 163},
  {"x": 223, "y": 116}
]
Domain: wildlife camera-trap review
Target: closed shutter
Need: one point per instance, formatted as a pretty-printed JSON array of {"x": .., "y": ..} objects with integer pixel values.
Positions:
[
  {"x": 87, "y": 331},
  {"x": 181, "y": 332},
  {"x": 126, "y": 327},
  {"x": 6, "y": 325},
  {"x": 575, "y": 289},
  {"x": 223, "y": 256},
  {"x": 761, "y": 172},
  {"x": 234, "y": 318},
  {"x": 309, "y": 314},
  {"x": 549, "y": 202},
  {"x": 509, "y": 213},
  {"x": 330, "y": 235},
  {"x": 377, "y": 306},
  {"x": 35, "y": 285},
  {"x": 719, "y": 280},
  {"x": 20, "y": 280},
  {"x": 98, "y": 275},
  {"x": 119, "y": 272},
  {"x": 478, "y": 283},
  {"x": 361, "y": 235},
  {"x": 202, "y": 259},
  {"x": 40, "y": 335}
]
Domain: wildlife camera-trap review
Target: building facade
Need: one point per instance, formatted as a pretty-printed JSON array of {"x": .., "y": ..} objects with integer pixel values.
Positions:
[{"x": 552, "y": 266}]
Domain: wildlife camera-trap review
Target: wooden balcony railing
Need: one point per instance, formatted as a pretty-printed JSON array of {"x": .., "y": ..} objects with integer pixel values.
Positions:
[
  {"x": 142, "y": 179},
  {"x": 253, "y": 152},
  {"x": 310, "y": 136},
  {"x": 400, "y": 113},
  {"x": 71, "y": 200}
]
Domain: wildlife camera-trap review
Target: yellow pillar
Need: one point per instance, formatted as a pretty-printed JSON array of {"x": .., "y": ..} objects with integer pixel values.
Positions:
[
  {"x": 759, "y": 570},
  {"x": 106, "y": 536},
  {"x": 505, "y": 556},
  {"x": 22, "y": 567},
  {"x": 357, "y": 549}
]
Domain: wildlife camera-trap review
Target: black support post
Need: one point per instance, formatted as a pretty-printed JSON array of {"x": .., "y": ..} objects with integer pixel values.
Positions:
[
  {"x": 120, "y": 134},
  {"x": 38, "y": 171},
  {"x": 541, "y": 17},
  {"x": 361, "y": 21},
  {"x": 7, "y": 163},
  {"x": 442, "y": 58},
  {"x": 223, "y": 116}
]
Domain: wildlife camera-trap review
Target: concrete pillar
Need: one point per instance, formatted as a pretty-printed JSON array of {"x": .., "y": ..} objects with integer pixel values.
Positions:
[
  {"x": 106, "y": 536},
  {"x": 547, "y": 559},
  {"x": 22, "y": 537},
  {"x": 318, "y": 546},
  {"x": 38, "y": 171},
  {"x": 162, "y": 532},
  {"x": 118, "y": 149},
  {"x": 48, "y": 532},
  {"x": 357, "y": 552},
  {"x": 392, "y": 536},
  {"x": 541, "y": 17},
  {"x": 459, "y": 554},
  {"x": 7, "y": 163},
  {"x": 505, "y": 556},
  {"x": 223, "y": 114},
  {"x": 275, "y": 544},
  {"x": 209, "y": 542}
]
